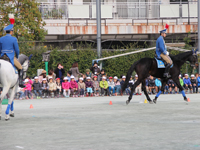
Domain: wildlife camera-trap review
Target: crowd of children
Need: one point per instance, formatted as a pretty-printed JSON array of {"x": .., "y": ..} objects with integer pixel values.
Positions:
[{"x": 97, "y": 84}]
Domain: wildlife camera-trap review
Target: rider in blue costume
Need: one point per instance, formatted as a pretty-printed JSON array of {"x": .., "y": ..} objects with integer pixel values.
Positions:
[
  {"x": 8, "y": 48},
  {"x": 162, "y": 53}
]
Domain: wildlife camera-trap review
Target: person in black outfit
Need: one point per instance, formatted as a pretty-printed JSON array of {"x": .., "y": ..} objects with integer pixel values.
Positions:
[
  {"x": 193, "y": 82},
  {"x": 95, "y": 69},
  {"x": 172, "y": 85},
  {"x": 152, "y": 85},
  {"x": 59, "y": 71}
]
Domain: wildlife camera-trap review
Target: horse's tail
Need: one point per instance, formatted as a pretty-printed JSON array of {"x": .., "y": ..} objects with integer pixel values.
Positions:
[{"x": 128, "y": 76}]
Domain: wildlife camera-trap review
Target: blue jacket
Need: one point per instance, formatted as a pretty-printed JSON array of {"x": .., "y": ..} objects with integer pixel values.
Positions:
[
  {"x": 187, "y": 81},
  {"x": 198, "y": 81},
  {"x": 158, "y": 82},
  {"x": 160, "y": 47},
  {"x": 9, "y": 46}
]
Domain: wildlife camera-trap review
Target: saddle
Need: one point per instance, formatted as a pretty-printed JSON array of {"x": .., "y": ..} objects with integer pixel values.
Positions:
[
  {"x": 160, "y": 63},
  {"x": 6, "y": 58}
]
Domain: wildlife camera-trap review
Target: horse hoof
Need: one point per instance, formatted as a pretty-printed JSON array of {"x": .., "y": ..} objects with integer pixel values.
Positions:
[
  {"x": 12, "y": 115},
  {"x": 150, "y": 102},
  {"x": 154, "y": 100},
  {"x": 7, "y": 119},
  {"x": 127, "y": 102}
]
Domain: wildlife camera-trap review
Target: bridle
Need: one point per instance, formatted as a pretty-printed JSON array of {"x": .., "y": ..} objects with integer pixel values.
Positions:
[{"x": 23, "y": 66}]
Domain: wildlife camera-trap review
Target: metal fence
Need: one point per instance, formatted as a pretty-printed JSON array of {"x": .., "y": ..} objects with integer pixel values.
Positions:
[{"x": 118, "y": 10}]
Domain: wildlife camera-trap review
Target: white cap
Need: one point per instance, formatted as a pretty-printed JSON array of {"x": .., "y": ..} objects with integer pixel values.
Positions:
[
  {"x": 88, "y": 78},
  {"x": 103, "y": 77},
  {"x": 44, "y": 79},
  {"x": 186, "y": 74},
  {"x": 72, "y": 77},
  {"x": 50, "y": 78},
  {"x": 136, "y": 75},
  {"x": 36, "y": 77},
  {"x": 123, "y": 77},
  {"x": 26, "y": 80},
  {"x": 115, "y": 77},
  {"x": 80, "y": 78},
  {"x": 65, "y": 78},
  {"x": 192, "y": 75},
  {"x": 179, "y": 75}
]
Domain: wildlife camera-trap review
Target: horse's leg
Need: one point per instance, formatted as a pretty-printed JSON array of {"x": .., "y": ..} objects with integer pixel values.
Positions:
[
  {"x": 3, "y": 94},
  {"x": 145, "y": 92},
  {"x": 162, "y": 90},
  {"x": 132, "y": 90},
  {"x": 10, "y": 103},
  {"x": 176, "y": 80}
]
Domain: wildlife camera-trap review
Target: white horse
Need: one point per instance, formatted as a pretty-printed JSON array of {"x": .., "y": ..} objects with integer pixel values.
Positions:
[{"x": 9, "y": 81}]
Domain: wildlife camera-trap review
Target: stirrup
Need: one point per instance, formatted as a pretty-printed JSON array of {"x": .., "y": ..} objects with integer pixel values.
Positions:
[{"x": 166, "y": 75}]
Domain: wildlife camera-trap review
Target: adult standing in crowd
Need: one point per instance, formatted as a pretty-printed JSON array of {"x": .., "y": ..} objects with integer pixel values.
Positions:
[
  {"x": 95, "y": 69},
  {"x": 42, "y": 76},
  {"x": 75, "y": 71},
  {"x": 59, "y": 71}
]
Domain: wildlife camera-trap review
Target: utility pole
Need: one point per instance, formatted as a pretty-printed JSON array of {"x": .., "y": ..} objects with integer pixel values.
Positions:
[
  {"x": 199, "y": 29},
  {"x": 98, "y": 17}
]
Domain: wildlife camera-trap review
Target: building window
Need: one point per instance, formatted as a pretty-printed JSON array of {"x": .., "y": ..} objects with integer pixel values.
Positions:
[{"x": 172, "y": 1}]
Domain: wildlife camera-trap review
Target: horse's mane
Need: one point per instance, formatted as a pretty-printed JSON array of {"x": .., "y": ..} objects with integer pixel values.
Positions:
[
  {"x": 22, "y": 58},
  {"x": 180, "y": 56}
]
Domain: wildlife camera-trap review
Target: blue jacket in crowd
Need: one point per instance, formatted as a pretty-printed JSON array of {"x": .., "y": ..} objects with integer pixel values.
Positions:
[
  {"x": 187, "y": 81},
  {"x": 158, "y": 82},
  {"x": 198, "y": 81}
]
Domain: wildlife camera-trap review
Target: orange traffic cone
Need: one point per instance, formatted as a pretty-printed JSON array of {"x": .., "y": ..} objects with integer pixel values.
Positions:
[
  {"x": 110, "y": 103},
  {"x": 31, "y": 106},
  {"x": 188, "y": 99}
]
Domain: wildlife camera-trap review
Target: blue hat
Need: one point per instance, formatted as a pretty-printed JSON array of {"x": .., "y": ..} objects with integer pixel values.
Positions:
[
  {"x": 163, "y": 31},
  {"x": 9, "y": 27}
]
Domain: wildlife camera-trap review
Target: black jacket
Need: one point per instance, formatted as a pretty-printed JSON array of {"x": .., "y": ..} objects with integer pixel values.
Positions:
[{"x": 57, "y": 72}]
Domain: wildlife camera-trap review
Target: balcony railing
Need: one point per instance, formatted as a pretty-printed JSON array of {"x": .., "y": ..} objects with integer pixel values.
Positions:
[{"x": 119, "y": 10}]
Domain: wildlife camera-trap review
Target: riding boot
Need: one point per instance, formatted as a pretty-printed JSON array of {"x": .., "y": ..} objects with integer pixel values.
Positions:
[
  {"x": 21, "y": 73},
  {"x": 166, "y": 73}
]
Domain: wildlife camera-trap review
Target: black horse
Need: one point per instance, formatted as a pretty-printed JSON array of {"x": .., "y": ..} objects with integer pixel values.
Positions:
[{"x": 148, "y": 66}]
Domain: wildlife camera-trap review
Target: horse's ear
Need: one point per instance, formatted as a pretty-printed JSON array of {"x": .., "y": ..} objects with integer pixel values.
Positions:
[{"x": 30, "y": 56}]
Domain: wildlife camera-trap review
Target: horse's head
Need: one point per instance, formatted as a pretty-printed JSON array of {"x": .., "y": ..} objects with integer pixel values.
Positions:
[
  {"x": 193, "y": 59},
  {"x": 25, "y": 61}
]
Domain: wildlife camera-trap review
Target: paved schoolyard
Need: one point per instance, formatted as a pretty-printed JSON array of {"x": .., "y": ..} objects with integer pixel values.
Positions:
[{"x": 93, "y": 124}]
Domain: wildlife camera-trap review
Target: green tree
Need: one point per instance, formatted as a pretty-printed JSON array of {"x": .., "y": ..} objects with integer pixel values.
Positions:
[{"x": 29, "y": 25}]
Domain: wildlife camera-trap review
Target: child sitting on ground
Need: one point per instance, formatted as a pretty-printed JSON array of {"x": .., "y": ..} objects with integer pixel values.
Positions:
[
  {"x": 187, "y": 83},
  {"x": 45, "y": 88},
  {"x": 117, "y": 85},
  {"x": 58, "y": 87},
  {"x": 37, "y": 87},
  {"x": 81, "y": 87},
  {"x": 138, "y": 90},
  {"x": 122, "y": 84},
  {"x": 89, "y": 86},
  {"x": 111, "y": 86},
  {"x": 52, "y": 86},
  {"x": 27, "y": 89},
  {"x": 104, "y": 87},
  {"x": 96, "y": 86},
  {"x": 66, "y": 86},
  {"x": 74, "y": 87}
]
